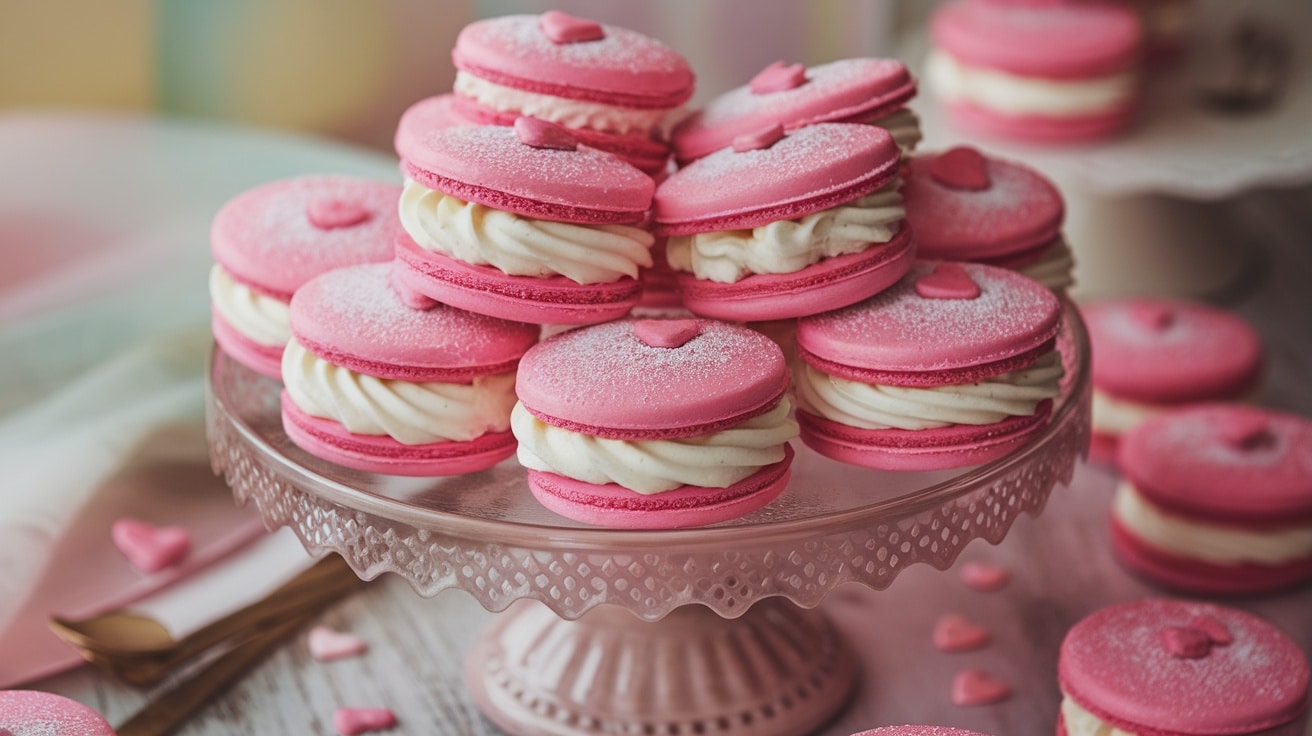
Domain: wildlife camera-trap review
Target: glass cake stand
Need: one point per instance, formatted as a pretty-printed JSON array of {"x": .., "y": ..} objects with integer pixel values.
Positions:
[{"x": 599, "y": 635}]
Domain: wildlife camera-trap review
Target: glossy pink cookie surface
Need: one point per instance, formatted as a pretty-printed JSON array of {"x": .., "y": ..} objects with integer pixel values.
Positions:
[
  {"x": 1175, "y": 667},
  {"x": 35, "y": 713}
]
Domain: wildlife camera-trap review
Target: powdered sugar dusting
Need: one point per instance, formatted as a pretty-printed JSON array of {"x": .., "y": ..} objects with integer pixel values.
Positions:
[
  {"x": 35, "y": 713},
  {"x": 834, "y": 83}
]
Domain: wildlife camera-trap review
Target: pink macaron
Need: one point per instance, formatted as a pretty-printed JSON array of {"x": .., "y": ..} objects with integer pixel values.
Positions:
[
  {"x": 1217, "y": 499},
  {"x": 36, "y": 713},
  {"x": 965, "y": 206},
  {"x": 1151, "y": 354},
  {"x": 1180, "y": 668},
  {"x": 374, "y": 385},
  {"x": 270, "y": 240},
  {"x": 424, "y": 117},
  {"x": 1042, "y": 70},
  {"x": 785, "y": 224},
  {"x": 641, "y": 424},
  {"x": 955, "y": 365},
  {"x": 522, "y": 223},
  {"x": 874, "y": 91}
]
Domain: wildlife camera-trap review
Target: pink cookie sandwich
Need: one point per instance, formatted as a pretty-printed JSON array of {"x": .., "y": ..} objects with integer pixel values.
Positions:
[
  {"x": 522, "y": 223},
  {"x": 1042, "y": 70},
  {"x": 654, "y": 424},
  {"x": 918, "y": 731},
  {"x": 374, "y": 385},
  {"x": 1151, "y": 354},
  {"x": 424, "y": 117},
  {"x": 1217, "y": 499},
  {"x": 955, "y": 365},
  {"x": 270, "y": 240},
  {"x": 613, "y": 87},
  {"x": 785, "y": 224},
  {"x": 36, "y": 713},
  {"x": 965, "y": 206},
  {"x": 873, "y": 91},
  {"x": 1177, "y": 668}
]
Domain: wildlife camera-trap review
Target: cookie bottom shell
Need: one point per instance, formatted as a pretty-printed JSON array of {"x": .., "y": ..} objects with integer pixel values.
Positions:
[{"x": 262, "y": 359}]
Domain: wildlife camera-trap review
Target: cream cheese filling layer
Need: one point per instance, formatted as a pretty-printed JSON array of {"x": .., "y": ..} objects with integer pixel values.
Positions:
[
  {"x": 788, "y": 246},
  {"x": 873, "y": 406},
  {"x": 904, "y": 126},
  {"x": 954, "y": 81},
  {"x": 1080, "y": 722},
  {"x": 262, "y": 319},
  {"x": 1115, "y": 416},
  {"x": 410, "y": 413},
  {"x": 1200, "y": 540},
  {"x": 715, "y": 460},
  {"x": 560, "y": 110},
  {"x": 522, "y": 246},
  {"x": 1055, "y": 269}
]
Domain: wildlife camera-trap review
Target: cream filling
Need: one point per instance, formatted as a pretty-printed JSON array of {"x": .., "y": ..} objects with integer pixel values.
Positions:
[
  {"x": 522, "y": 246},
  {"x": 1114, "y": 416},
  {"x": 715, "y": 460},
  {"x": 1055, "y": 269},
  {"x": 788, "y": 246},
  {"x": 954, "y": 81},
  {"x": 904, "y": 126},
  {"x": 560, "y": 110},
  {"x": 1080, "y": 722},
  {"x": 873, "y": 406},
  {"x": 410, "y": 413},
  {"x": 1222, "y": 545},
  {"x": 262, "y": 319}
]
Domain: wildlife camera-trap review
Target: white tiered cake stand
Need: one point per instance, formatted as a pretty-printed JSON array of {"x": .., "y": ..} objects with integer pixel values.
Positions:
[{"x": 599, "y": 635}]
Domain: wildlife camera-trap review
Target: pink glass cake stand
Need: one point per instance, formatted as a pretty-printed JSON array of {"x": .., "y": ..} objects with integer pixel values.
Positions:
[{"x": 599, "y": 635}]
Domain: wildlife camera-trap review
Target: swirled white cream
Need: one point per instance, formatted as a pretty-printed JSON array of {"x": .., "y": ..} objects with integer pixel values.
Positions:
[
  {"x": 560, "y": 110},
  {"x": 953, "y": 81},
  {"x": 522, "y": 246},
  {"x": 410, "y": 413},
  {"x": 904, "y": 126},
  {"x": 1115, "y": 416},
  {"x": 1201, "y": 540},
  {"x": 715, "y": 460},
  {"x": 788, "y": 246},
  {"x": 260, "y": 318},
  {"x": 1080, "y": 722},
  {"x": 872, "y": 406},
  {"x": 1055, "y": 269}
]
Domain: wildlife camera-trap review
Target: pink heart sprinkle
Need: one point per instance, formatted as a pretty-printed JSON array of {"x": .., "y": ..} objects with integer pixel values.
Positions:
[
  {"x": 1186, "y": 642},
  {"x": 1248, "y": 433},
  {"x": 956, "y": 633},
  {"x": 351, "y": 721},
  {"x": 985, "y": 577},
  {"x": 977, "y": 687},
  {"x": 330, "y": 214},
  {"x": 326, "y": 644},
  {"x": 778, "y": 77},
  {"x": 565, "y": 28},
  {"x": 147, "y": 547},
  {"x": 666, "y": 333},
  {"x": 947, "y": 281},
  {"x": 1153, "y": 315},
  {"x": 763, "y": 138},
  {"x": 1216, "y": 631},
  {"x": 542, "y": 134},
  {"x": 961, "y": 168}
]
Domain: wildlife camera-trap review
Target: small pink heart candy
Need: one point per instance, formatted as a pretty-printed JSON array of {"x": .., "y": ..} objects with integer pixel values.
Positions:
[
  {"x": 666, "y": 333},
  {"x": 351, "y": 721},
  {"x": 1248, "y": 433},
  {"x": 542, "y": 134},
  {"x": 985, "y": 577},
  {"x": 147, "y": 547},
  {"x": 330, "y": 214},
  {"x": 325, "y": 644},
  {"x": 977, "y": 687},
  {"x": 1153, "y": 315},
  {"x": 756, "y": 140},
  {"x": 947, "y": 281},
  {"x": 956, "y": 633},
  {"x": 565, "y": 28},
  {"x": 961, "y": 168},
  {"x": 1186, "y": 642},
  {"x": 1216, "y": 631},
  {"x": 778, "y": 77}
]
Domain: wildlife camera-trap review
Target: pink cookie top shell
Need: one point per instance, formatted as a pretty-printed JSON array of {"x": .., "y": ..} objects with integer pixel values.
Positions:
[
  {"x": 623, "y": 68},
  {"x": 607, "y": 381},
  {"x": 1165, "y": 351},
  {"x": 918, "y": 731},
  {"x": 1019, "y": 210},
  {"x": 39, "y": 713},
  {"x": 900, "y": 331},
  {"x": 1181, "y": 667},
  {"x": 425, "y": 116},
  {"x": 1231, "y": 463},
  {"x": 491, "y": 165},
  {"x": 805, "y": 171},
  {"x": 1060, "y": 40},
  {"x": 279, "y": 235},
  {"x": 353, "y": 318},
  {"x": 835, "y": 92}
]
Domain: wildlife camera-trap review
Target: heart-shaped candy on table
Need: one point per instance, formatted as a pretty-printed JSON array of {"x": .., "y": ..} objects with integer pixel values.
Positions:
[
  {"x": 977, "y": 687},
  {"x": 326, "y": 644},
  {"x": 352, "y": 721},
  {"x": 956, "y": 633},
  {"x": 985, "y": 577},
  {"x": 150, "y": 548}
]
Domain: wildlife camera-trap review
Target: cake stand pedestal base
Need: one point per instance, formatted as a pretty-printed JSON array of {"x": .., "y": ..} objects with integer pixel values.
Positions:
[{"x": 777, "y": 670}]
